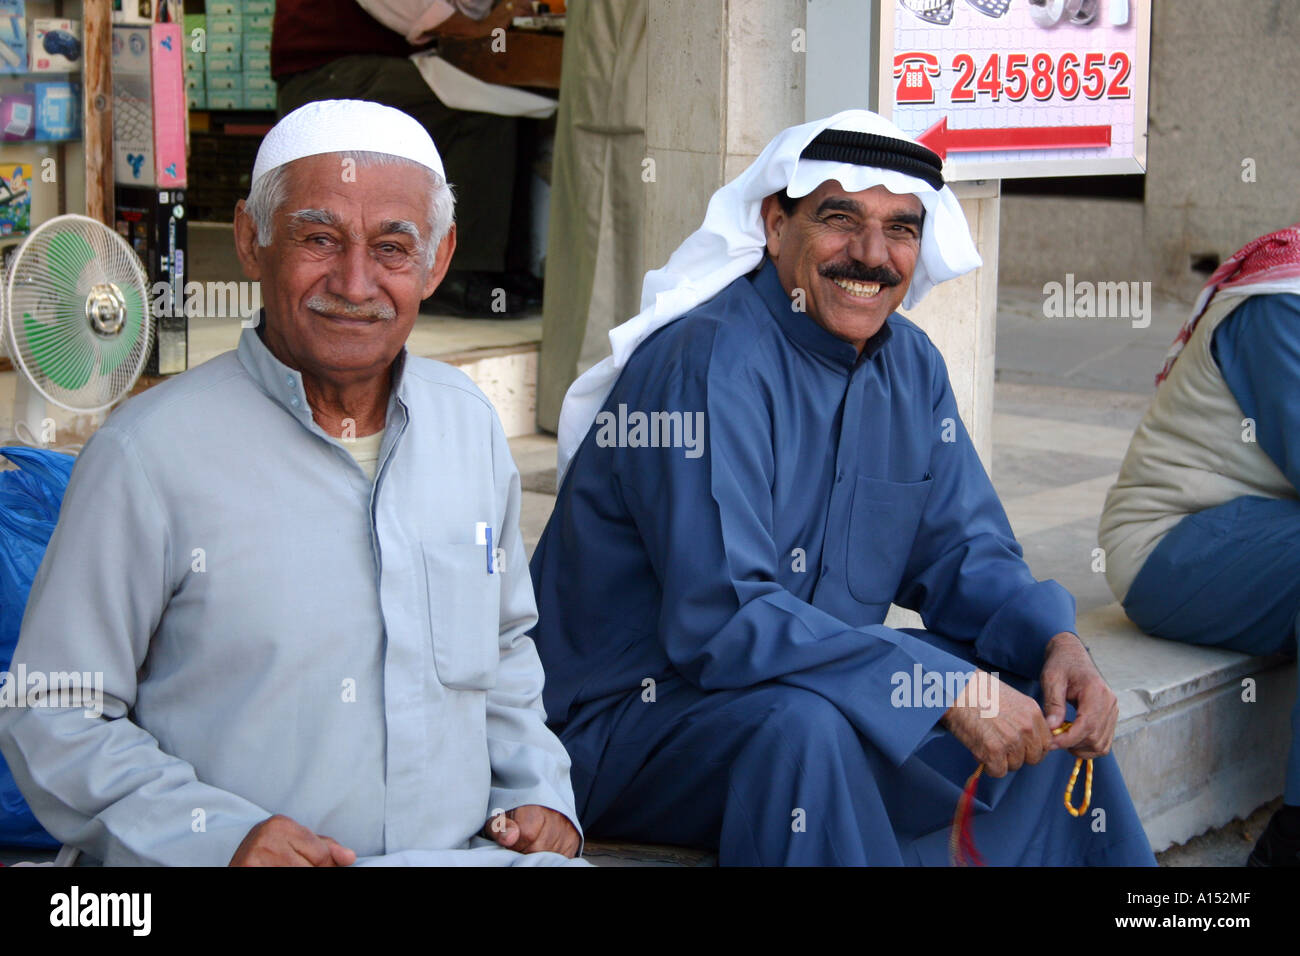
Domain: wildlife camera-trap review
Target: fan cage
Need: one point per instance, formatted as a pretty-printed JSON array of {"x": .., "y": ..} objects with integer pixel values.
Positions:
[{"x": 46, "y": 327}]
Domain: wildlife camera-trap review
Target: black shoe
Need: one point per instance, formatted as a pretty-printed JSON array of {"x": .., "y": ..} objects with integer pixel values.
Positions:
[
  {"x": 1274, "y": 848},
  {"x": 480, "y": 295}
]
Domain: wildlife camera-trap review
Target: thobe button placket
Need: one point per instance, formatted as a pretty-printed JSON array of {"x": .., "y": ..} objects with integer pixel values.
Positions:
[{"x": 841, "y": 492}]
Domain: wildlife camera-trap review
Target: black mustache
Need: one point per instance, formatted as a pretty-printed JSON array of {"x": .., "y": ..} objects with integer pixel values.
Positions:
[{"x": 857, "y": 272}]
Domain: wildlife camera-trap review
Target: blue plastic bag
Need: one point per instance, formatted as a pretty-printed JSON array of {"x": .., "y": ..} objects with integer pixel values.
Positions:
[{"x": 29, "y": 509}]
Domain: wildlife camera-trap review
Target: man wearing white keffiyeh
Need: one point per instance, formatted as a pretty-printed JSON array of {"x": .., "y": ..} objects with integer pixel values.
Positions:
[{"x": 771, "y": 456}]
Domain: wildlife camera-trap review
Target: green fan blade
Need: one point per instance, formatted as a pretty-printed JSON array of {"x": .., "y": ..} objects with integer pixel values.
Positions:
[
  {"x": 55, "y": 352},
  {"x": 67, "y": 255},
  {"x": 63, "y": 366},
  {"x": 115, "y": 351}
]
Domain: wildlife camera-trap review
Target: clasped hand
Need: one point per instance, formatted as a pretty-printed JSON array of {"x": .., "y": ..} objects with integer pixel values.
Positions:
[{"x": 1019, "y": 732}]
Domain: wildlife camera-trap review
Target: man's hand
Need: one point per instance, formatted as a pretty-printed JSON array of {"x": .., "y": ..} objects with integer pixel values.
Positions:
[
  {"x": 501, "y": 15},
  {"x": 280, "y": 841},
  {"x": 534, "y": 829},
  {"x": 1070, "y": 675},
  {"x": 1005, "y": 737}
]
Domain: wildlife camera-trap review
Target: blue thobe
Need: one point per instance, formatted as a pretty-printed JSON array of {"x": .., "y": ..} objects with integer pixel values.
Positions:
[
  {"x": 275, "y": 633},
  {"x": 1229, "y": 576},
  {"x": 711, "y": 612}
]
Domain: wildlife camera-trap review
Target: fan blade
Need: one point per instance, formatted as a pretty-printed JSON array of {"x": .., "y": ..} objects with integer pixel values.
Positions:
[
  {"x": 114, "y": 351},
  {"x": 67, "y": 255},
  {"x": 66, "y": 367}
]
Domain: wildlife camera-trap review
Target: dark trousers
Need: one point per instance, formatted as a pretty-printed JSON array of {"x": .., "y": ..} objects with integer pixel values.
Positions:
[{"x": 477, "y": 149}]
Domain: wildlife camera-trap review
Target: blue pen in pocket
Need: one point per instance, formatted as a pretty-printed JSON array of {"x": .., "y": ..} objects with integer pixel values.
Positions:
[{"x": 483, "y": 536}]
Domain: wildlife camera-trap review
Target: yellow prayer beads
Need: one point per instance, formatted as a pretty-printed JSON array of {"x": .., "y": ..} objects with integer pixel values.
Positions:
[
  {"x": 961, "y": 844},
  {"x": 1074, "y": 776}
]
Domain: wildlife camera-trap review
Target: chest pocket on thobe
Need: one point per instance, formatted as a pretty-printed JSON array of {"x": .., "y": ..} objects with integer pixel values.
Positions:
[
  {"x": 882, "y": 526},
  {"x": 464, "y": 615}
]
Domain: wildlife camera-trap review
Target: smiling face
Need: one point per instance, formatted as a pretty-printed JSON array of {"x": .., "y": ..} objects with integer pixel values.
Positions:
[
  {"x": 345, "y": 272},
  {"x": 852, "y": 254}
]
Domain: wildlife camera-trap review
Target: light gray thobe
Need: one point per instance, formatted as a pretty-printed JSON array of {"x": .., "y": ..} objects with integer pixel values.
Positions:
[{"x": 279, "y": 635}]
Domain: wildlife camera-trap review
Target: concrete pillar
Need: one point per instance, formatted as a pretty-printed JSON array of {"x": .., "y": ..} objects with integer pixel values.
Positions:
[
  {"x": 725, "y": 77},
  {"x": 960, "y": 316}
]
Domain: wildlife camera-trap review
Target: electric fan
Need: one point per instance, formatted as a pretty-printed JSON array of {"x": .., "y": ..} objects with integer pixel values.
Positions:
[{"x": 76, "y": 320}]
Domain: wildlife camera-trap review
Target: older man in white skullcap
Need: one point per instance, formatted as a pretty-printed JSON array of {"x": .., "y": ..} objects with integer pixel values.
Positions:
[
  {"x": 771, "y": 456},
  {"x": 299, "y": 566}
]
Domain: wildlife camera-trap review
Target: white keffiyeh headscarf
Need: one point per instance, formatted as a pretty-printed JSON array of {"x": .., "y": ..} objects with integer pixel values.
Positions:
[{"x": 732, "y": 240}]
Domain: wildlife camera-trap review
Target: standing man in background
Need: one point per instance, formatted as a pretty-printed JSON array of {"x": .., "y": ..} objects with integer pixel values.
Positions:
[{"x": 594, "y": 252}]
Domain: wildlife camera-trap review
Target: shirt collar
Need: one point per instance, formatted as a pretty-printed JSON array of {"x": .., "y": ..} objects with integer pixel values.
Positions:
[
  {"x": 801, "y": 329},
  {"x": 283, "y": 385}
]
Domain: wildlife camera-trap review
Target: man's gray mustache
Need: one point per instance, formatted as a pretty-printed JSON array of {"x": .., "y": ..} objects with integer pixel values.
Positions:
[{"x": 344, "y": 309}]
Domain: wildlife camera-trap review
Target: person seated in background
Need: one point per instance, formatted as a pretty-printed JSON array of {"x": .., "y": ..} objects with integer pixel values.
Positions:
[
  {"x": 336, "y": 49},
  {"x": 771, "y": 457},
  {"x": 298, "y": 567},
  {"x": 1202, "y": 529}
]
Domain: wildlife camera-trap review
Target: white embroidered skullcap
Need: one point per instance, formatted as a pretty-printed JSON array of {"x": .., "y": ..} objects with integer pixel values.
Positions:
[{"x": 336, "y": 126}]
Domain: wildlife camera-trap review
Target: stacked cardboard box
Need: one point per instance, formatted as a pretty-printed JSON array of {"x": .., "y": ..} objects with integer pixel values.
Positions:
[
  {"x": 42, "y": 100},
  {"x": 237, "y": 62},
  {"x": 196, "y": 87},
  {"x": 152, "y": 73},
  {"x": 221, "y": 165},
  {"x": 153, "y": 221},
  {"x": 149, "y": 106}
]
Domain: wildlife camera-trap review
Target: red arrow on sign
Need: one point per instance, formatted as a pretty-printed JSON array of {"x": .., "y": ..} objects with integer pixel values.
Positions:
[{"x": 941, "y": 139}]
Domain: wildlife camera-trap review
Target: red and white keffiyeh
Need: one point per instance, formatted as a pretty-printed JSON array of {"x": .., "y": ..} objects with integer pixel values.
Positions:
[{"x": 1265, "y": 265}]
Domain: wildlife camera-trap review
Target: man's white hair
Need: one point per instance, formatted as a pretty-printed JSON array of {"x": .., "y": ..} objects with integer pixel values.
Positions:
[{"x": 268, "y": 195}]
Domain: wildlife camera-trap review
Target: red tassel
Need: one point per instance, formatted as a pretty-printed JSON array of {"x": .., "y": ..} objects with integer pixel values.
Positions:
[{"x": 961, "y": 842}]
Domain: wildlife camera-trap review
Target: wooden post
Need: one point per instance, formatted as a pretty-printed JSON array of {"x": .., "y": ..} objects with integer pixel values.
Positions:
[{"x": 97, "y": 119}]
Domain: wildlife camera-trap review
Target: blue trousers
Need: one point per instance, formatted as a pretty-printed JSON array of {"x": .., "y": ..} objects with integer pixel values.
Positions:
[
  {"x": 775, "y": 775},
  {"x": 1229, "y": 577}
]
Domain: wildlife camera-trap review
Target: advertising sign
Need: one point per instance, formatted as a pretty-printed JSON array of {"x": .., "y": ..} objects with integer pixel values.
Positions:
[{"x": 1019, "y": 88}]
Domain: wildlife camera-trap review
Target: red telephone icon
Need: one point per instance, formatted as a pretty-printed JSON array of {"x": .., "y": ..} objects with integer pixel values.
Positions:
[{"x": 913, "y": 72}]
